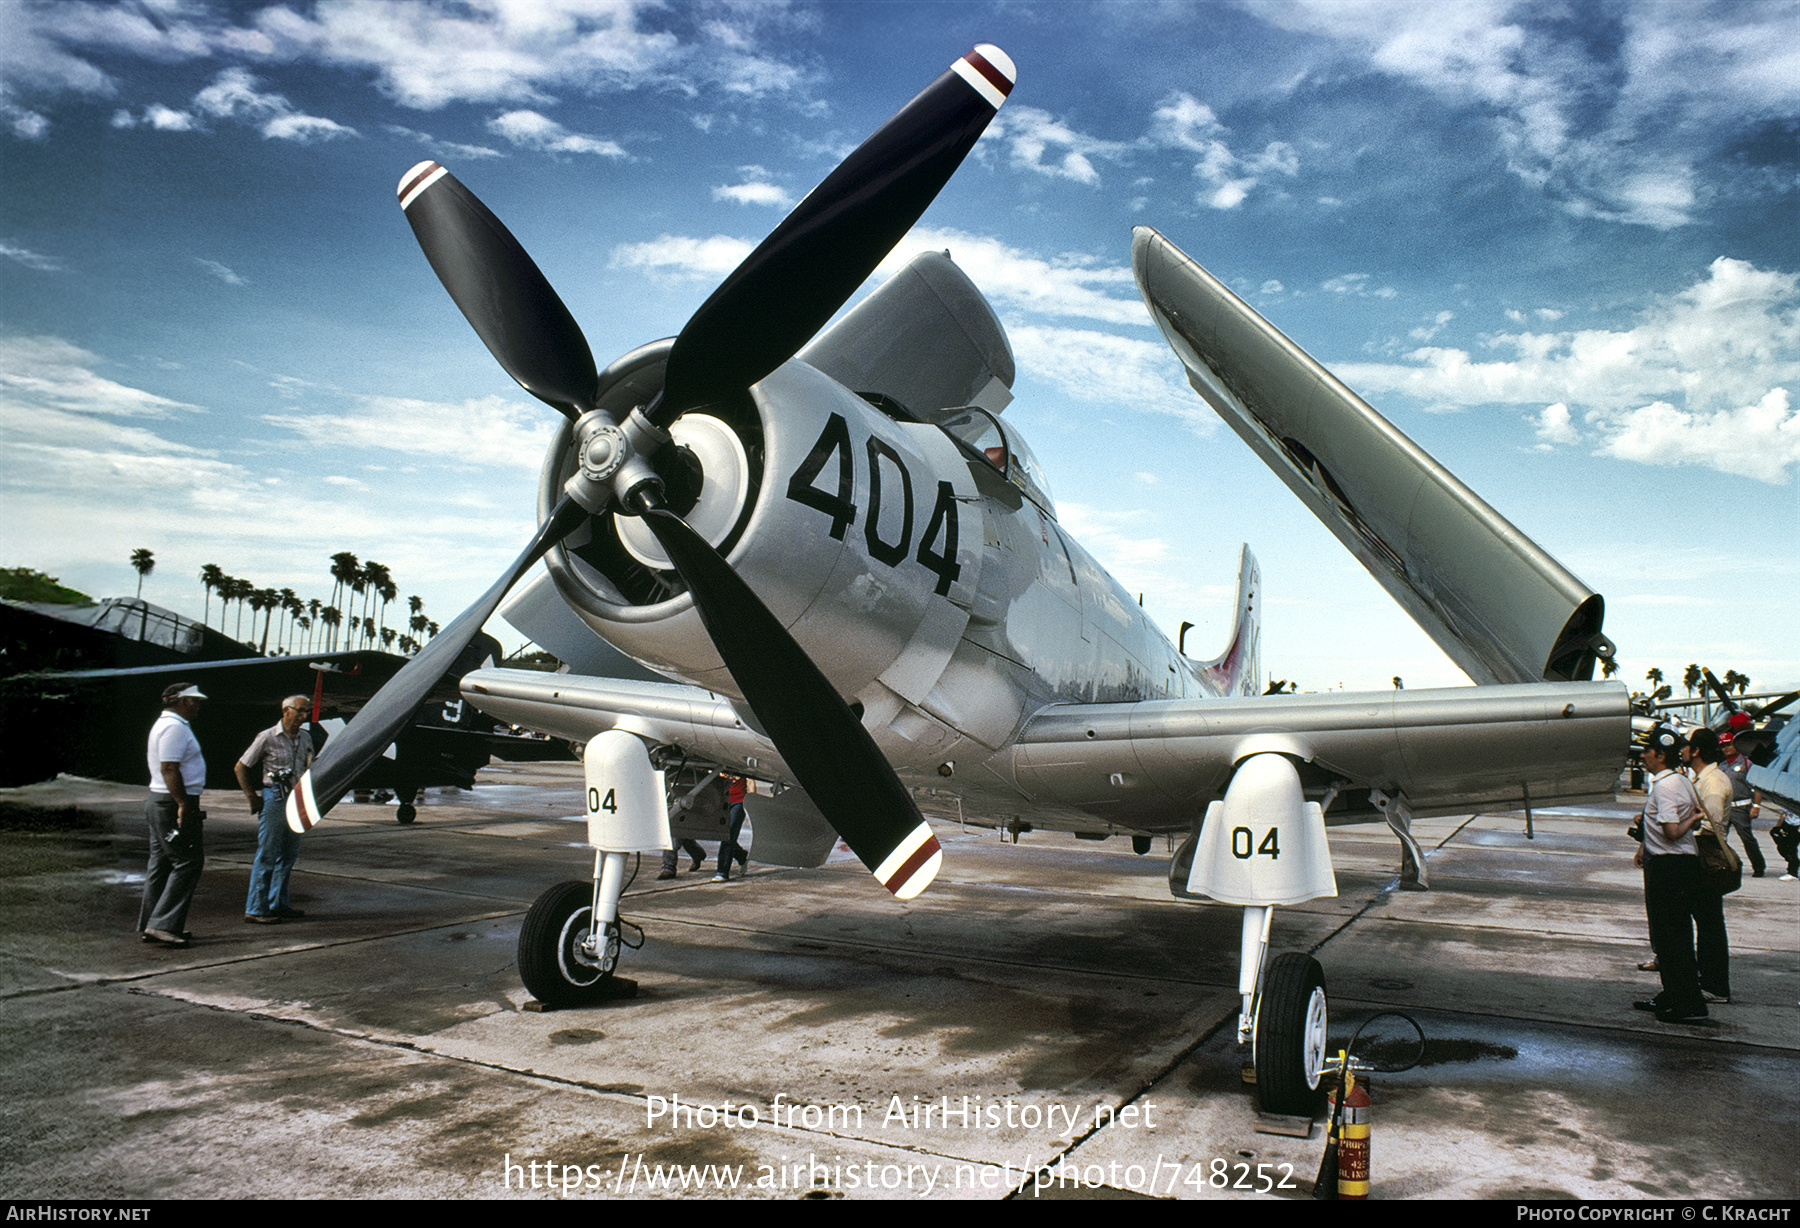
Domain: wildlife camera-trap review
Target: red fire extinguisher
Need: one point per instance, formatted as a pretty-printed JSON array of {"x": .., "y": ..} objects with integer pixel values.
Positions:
[{"x": 1353, "y": 1140}]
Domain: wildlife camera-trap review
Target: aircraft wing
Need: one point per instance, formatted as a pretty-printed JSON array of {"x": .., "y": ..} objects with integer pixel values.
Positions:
[
  {"x": 1450, "y": 750},
  {"x": 1497, "y": 604},
  {"x": 1153, "y": 765}
]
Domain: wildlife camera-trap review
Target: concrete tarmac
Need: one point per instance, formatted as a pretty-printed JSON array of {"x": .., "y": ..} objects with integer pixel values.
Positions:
[{"x": 1043, "y": 1004}]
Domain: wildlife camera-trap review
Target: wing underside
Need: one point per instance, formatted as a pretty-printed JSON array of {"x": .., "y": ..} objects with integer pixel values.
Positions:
[{"x": 1496, "y": 603}]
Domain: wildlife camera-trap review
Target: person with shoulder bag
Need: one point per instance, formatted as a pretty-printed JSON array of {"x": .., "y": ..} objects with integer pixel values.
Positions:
[
  {"x": 1671, "y": 867},
  {"x": 1721, "y": 872}
]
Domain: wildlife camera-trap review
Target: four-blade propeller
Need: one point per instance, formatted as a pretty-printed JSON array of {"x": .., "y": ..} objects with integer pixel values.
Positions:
[{"x": 769, "y": 307}]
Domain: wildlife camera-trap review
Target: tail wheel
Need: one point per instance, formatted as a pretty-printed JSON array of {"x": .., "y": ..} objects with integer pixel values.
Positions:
[
  {"x": 1291, "y": 1023},
  {"x": 556, "y": 963}
]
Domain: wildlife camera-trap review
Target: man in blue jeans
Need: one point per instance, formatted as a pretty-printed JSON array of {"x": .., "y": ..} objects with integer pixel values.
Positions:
[{"x": 282, "y": 754}]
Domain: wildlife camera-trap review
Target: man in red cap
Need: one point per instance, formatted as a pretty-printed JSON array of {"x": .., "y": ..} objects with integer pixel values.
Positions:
[{"x": 1746, "y": 803}]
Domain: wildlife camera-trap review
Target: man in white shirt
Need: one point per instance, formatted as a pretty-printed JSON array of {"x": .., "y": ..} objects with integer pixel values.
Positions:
[
  {"x": 177, "y": 843},
  {"x": 1671, "y": 865}
]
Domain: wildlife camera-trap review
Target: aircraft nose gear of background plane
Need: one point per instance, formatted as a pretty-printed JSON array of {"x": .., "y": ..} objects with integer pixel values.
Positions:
[
  {"x": 569, "y": 944},
  {"x": 1261, "y": 846}
]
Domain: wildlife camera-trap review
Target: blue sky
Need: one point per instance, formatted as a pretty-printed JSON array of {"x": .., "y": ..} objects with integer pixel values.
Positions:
[{"x": 1558, "y": 245}]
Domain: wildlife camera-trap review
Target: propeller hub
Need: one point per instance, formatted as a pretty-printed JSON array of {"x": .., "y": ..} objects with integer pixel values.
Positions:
[{"x": 605, "y": 450}]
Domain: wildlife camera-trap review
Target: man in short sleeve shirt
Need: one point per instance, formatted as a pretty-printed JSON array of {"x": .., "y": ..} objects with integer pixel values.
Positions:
[
  {"x": 1671, "y": 863},
  {"x": 172, "y": 812},
  {"x": 281, "y": 753}
]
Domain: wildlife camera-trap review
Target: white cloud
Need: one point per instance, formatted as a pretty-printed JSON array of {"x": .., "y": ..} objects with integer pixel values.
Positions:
[
  {"x": 234, "y": 95},
  {"x": 1554, "y": 426},
  {"x": 43, "y": 374},
  {"x": 1072, "y": 285},
  {"x": 1271, "y": 287},
  {"x": 1094, "y": 366},
  {"x": 1610, "y": 129},
  {"x": 487, "y": 430},
  {"x": 1727, "y": 349},
  {"x": 1427, "y": 332},
  {"x": 1033, "y": 133},
  {"x": 222, "y": 272},
  {"x": 530, "y": 130},
  {"x": 25, "y": 124},
  {"x": 755, "y": 190},
  {"x": 1357, "y": 284},
  {"x": 426, "y": 55},
  {"x": 1757, "y": 441},
  {"x": 681, "y": 258},
  {"x": 30, "y": 259},
  {"x": 450, "y": 148},
  {"x": 1183, "y": 122}
]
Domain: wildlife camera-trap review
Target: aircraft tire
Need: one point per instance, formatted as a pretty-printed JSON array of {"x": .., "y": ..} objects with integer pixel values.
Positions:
[
  {"x": 405, "y": 813},
  {"x": 549, "y": 961},
  {"x": 1291, "y": 1021}
]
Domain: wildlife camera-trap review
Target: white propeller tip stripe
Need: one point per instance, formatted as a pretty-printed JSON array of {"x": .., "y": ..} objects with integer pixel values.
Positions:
[
  {"x": 999, "y": 59},
  {"x": 908, "y": 870},
  {"x": 980, "y": 68},
  {"x": 921, "y": 878},
  {"x": 302, "y": 810},
  {"x": 417, "y": 180}
]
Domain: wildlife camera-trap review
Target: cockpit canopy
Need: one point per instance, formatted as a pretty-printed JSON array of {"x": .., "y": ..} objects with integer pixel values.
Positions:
[{"x": 1000, "y": 446}]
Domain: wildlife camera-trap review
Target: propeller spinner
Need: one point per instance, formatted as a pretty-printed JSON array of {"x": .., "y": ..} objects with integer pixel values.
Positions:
[{"x": 761, "y": 315}]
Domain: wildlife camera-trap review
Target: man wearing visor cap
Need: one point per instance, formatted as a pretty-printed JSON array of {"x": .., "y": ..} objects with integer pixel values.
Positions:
[{"x": 173, "y": 814}]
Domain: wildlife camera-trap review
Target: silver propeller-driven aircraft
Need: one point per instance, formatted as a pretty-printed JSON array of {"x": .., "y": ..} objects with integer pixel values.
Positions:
[{"x": 829, "y": 563}]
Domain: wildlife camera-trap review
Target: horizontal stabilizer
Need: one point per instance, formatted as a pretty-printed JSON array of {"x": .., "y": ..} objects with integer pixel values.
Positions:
[{"x": 1497, "y": 604}]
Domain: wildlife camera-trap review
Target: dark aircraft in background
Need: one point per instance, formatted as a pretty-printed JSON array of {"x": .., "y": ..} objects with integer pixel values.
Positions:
[
  {"x": 842, "y": 568},
  {"x": 93, "y": 722}
]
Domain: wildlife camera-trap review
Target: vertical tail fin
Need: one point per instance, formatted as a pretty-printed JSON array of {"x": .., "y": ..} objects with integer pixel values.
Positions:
[{"x": 1238, "y": 669}]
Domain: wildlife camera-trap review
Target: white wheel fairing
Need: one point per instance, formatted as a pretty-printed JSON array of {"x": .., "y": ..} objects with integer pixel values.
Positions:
[
  {"x": 724, "y": 489},
  {"x": 1316, "y": 1024}
]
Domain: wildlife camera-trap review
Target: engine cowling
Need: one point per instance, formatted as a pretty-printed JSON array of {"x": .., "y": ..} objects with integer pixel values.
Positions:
[{"x": 860, "y": 532}]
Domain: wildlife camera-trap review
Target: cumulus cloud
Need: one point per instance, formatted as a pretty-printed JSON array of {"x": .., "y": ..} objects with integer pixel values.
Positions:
[
  {"x": 1709, "y": 367},
  {"x": 1041, "y": 143},
  {"x": 1183, "y": 122},
  {"x": 530, "y": 130},
  {"x": 234, "y": 95},
  {"x": 1072, "y": 285},
  {"x": 1609, "y": 128},
  {"x": 1758, "y": 441},
  {"x": 1554, "y": 426},
  {"x": 681, "y": 258},
  {"x": 755, "y": 190},
  {"x": 489, "y": 430}
]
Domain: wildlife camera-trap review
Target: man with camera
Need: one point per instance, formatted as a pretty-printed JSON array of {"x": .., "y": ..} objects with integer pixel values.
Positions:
[{"x": 282, "y": 753}]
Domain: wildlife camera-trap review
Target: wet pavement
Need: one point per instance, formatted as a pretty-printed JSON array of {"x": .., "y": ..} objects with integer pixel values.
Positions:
[{"x": 802, "y": 1033}]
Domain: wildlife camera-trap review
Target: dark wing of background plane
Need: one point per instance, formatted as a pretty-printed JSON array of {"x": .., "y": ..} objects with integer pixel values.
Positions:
[{"x": 94, "y": 722}]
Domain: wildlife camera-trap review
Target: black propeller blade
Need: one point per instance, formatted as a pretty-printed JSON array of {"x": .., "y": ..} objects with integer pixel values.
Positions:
[
  {"x": 1719, "y": 687},
  {"x": 502, "y": 292},
  {"x": 759, "y": 318},
  {"x": 830, "y": 752},
  {"x": 812, "y": 263},
  {"x": 382, "y": 719}
]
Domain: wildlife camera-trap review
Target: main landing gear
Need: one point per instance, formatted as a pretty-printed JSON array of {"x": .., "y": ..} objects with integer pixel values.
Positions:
[
  {"x": 564, "y": 958},
  {"x": 1261, "y": 846}
]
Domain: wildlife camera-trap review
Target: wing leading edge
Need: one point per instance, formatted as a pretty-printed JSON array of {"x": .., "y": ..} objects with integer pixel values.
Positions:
[{"x": 1496, "y": 603}]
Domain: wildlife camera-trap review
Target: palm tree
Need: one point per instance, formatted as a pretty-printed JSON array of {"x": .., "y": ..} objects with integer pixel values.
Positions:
[
  {"x": 240, "y": 591},
  {"x": 142, "y": 562},
  {"x": 1654, "y": 677},
  {"x": 212, "y": 578},
  {"x": 1608, "y": 667},
  {"x": 344, "y": 569},
  {"x": 1691, "y": 678},
  {"x": 290, "y": 606},
  {"x": 408, "y": 645},
  {"x": 305, "y": 624},
  {"x": 433, "y": 628},
  {"x": 331, "y": 616},
  {"x": 359, "y": 584},
  {"x": 387, "y": 637}
]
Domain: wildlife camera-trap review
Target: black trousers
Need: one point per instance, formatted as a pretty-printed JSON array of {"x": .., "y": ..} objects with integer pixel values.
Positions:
[{"x": 1687, "y": 929}]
